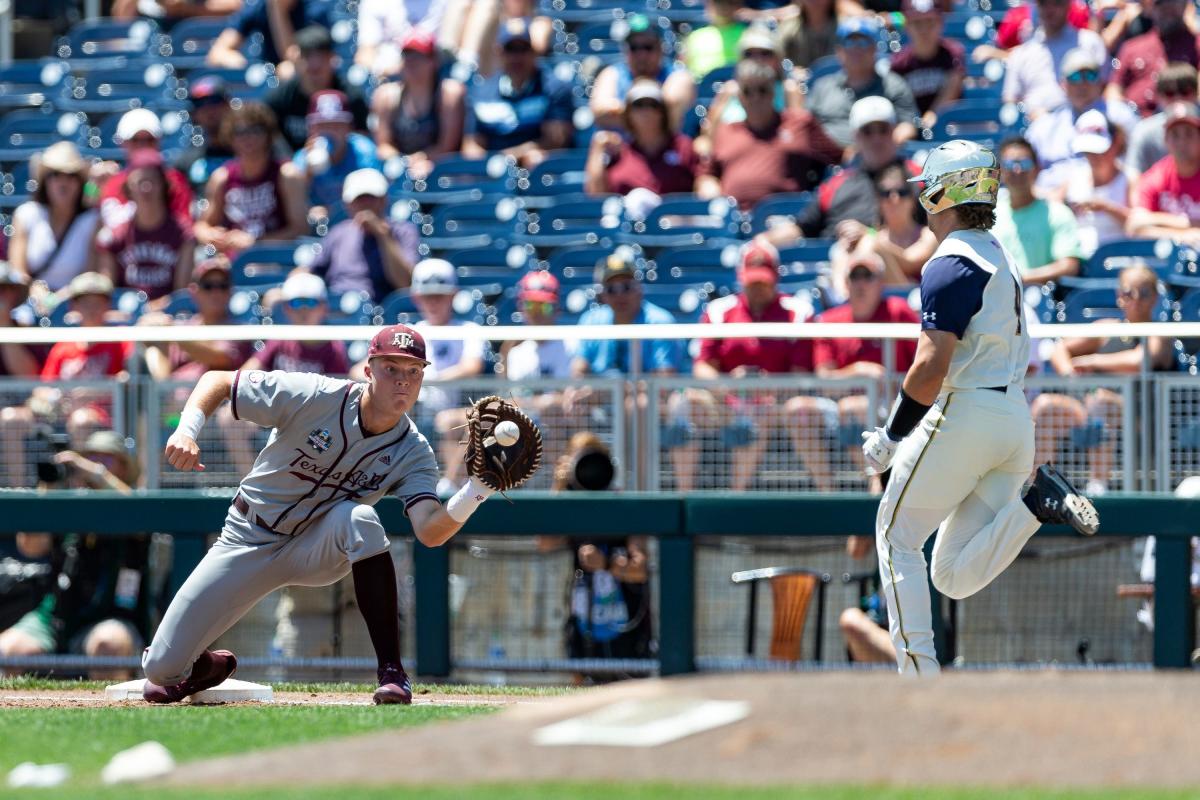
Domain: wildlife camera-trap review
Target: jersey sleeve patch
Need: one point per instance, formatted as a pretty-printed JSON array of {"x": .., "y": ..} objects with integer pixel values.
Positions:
[{"x": 951, "y": 293}]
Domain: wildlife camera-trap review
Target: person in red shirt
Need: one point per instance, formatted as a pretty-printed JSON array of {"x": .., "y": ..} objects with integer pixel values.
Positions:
[
  {"x": 747, "y": 419},
  {"x": 771, "y": 151},
  {"x": 1166, "y": 199},
  {"x": 87, "y": 410},
  {"x": 652, "y": 158},
  {"x": 1141, "y": 58},
  {"x": 140, "y": 129},
  {"x": 863, "y": 358}
]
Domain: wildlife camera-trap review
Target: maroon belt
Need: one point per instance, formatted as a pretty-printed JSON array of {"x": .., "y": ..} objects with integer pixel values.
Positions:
[{"x": 243, "y": 508}]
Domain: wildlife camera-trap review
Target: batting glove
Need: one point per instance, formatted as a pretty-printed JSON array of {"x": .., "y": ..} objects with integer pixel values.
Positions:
[{"x": 878, "y": 450}]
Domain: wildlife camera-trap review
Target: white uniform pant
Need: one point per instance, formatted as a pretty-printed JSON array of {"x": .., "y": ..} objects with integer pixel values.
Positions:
[{"x": 960, "y": 473}]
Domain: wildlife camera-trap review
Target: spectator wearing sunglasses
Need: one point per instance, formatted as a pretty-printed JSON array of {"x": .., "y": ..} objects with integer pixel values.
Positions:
[
  {"x": 760, "y": 44},
  {"x": 252, "y": 196},
  {"x": 933, "y": 66},
  {"x": 644, "y": 60},
  {"x": 1166, "y": 200},
  {"x": 209, "y": 99},
  {"x": 368, "y": 252},
  {"x": 522, "y": 111},
  {"x": 652, "y": 157},
  {"x": 747, "y": 420},
  {"x": 538, "y": 303},
  {"x": 1051, "y": 133},
  {"x": 305, "y": 301},
  {"x": 622, "y": 303},
  {"x": 831, "y": 97},
  {"x": 1040, "y": 234},
  {"x": 1141, "y": 58},
  {"x": 771, "y": 151},
  {"x": 1091, "y": 423},
  {"x": 1035, "y": 68},
  {"x": 1147, "y": 144}
]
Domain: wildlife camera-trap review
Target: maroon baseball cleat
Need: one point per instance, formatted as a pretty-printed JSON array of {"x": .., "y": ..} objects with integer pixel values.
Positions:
[
  {"x": 210, "y": 669},
  {"x": 394, "y": 686}
]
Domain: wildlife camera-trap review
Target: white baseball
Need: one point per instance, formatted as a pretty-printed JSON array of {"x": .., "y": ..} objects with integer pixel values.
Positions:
[{"x": 506, "y": 433}]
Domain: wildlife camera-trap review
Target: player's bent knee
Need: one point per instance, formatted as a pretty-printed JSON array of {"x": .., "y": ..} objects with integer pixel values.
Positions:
[
  {"x": 944, "y": 582},
  {"x": 164, "y": 666}
]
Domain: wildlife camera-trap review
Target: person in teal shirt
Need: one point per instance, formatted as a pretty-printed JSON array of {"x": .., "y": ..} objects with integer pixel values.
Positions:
[
  {"x": 716, "y": 44},
  {"x": 1041, "y": 235},
  {"x": 623, "y": 304}
]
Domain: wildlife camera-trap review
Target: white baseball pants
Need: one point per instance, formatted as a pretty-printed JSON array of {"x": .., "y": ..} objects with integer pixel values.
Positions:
[{"x": 959, "y": 473}]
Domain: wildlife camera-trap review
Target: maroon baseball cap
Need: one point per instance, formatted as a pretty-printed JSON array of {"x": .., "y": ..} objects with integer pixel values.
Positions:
[
  {"x": 329, "y": 105},
  {"x": 398, "y": 340}
]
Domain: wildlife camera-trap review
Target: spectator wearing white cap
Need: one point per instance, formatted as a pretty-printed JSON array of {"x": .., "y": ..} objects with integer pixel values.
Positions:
[
  {"x": 831, "y": 97},
  {"x": 1097, "y": 189},
  {"x": 933, "y": 66},
  {"x": 368, "y": 252},
  {"x": 52, "y": 233},
  {"x": 305, "y": 301},
  {"x": 332, "y": 152},
  {"x": 770, "y": 151},
  {"x": 434, "y": 285},
  {"x": 652, "y": 157},
  {"x": 1052, "y": 132},
  {"x": 138, "y": 129}
]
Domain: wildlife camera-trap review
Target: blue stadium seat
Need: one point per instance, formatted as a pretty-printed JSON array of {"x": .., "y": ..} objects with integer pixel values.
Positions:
[
  {"x": 776, "y": 208},
  {"x": 714, "y": 258},
  {"x": 114, "y": 91},
  {"x": 806, "y": 256},
  {"x": 251, "y": 83},
  {"x": 1109, "y": 259},
  {"x": 577, "y": 220},
  {"x": 977, "y": 120},
  {"x": 30, "y": 84},
  {"x": 587, "y": 11},
  {"x": 1087, "y": 305},
  {"x": 190, "y": 40},
  {"x": 684, "y": 301},
  {"x": 398, "y": 307},
  {"x": 1189, "y": 307},
  {"x": 23, "y": 133},
  {"x": 104, "y": 43},
  {"x": 683, "y": 220},
  {"x": 562, "y": 172},
  {"x": 971, "y": 28},
  {"x": 513, "y": 259},
  {"x": 682, "y": 12},
  {"x": 710, "y": 84},
  {"x": 576, "y": 266},
  {"x": 268, "y": 263},
  {"x": 350, "y": 308},
  {"x": 455, "y": 179},
  {"x": 481, "y": 223},
  {"x": 826, "y": 65},
  {"x": 596, "y": 39}
]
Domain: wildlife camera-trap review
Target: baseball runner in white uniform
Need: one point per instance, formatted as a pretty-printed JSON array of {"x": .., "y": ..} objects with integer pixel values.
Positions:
[
  {"x": 959, "y": 440},
  {"x": 305, "y": 515}
]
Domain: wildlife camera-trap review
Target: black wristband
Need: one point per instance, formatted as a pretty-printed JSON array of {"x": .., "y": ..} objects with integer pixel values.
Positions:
[{"x": 906, "y": 413}]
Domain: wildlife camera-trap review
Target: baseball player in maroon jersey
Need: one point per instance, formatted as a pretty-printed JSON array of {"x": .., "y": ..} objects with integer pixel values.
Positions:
[{"x": 304, "y": 515}]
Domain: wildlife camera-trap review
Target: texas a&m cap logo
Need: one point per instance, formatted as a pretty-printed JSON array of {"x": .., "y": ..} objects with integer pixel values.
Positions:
[{"x": 398, "y": 340}]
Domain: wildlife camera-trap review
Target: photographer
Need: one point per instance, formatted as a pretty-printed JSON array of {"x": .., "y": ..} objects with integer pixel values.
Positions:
[
  {"x": 610, "y": 592},
  {"x": 99, "y": 603}
]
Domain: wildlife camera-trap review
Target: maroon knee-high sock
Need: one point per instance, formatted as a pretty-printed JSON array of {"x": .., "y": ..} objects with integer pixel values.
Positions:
[{"x": 375, "y": 590}]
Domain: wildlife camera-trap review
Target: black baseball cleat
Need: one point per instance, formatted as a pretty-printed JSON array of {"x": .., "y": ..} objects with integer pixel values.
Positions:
[
  {"x": 211, "y": 669},
  {"x": 394, "y": 686},
  {"x": 1052, "y": 498}
]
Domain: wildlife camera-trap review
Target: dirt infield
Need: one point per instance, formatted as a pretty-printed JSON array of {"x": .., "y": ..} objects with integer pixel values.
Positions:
[{"x": 1042, "y": 729}]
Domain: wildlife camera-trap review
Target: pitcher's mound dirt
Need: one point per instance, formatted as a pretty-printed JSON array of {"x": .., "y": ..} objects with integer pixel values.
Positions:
[{"x": 1046, "y": 729}]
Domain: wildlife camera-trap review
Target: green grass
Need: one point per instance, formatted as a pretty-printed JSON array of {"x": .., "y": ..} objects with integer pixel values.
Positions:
[
  {"x": 25, "y": 683},
  {"x": 86, "y": 738},
  {"x": 575, "y": 791}
]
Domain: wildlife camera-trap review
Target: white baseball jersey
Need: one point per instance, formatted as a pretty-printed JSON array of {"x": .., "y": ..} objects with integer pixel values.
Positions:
[
  {"x": 971, "y": 288},
  {"x": 318, "y": 455}
]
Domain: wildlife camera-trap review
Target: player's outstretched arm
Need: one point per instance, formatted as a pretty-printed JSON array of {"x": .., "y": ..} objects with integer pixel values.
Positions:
[
  {"x": 432, "y": 523},
  {"x": 211, "y": 390}
]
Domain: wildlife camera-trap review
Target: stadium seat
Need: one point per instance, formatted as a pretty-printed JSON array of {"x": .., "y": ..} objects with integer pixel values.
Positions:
[
  {"x": 190, "y": 40},
  {"x": 249, "y": 84},
  {"x": 970, "y": 28},
  {"x": 481, "y": 223},
  {"x": 1109, "y": 259},
  {"x": 23, "y": 133},
  {"x": 777, "y": 208},
  {"x": 682, "y": 12},
  {"x": 455, "y": 179},
  {"x": 1088, "y": 305},
  {"x": 268, "y": 263},
  {"x": 100, "y": 44},
  {"x": 573, "y": 221},
  {"x": 30, "y": 84},
  {"x": 977, "y": 120},
  {"x": 513, "y": 259},
  {"x": 398, "y": 307},
  {"x": 683, "y": 220},
  {"x": 714, "y": 257},
  {"x": 152, "y": 86},
  {"x": 1189, "y": 307},
  {"x": 792, "y": 591},
  {"x": 562, "y": 172},
  {"x": 575, "y": 266},
  {"x": 711, "y": 83},
  {"x": 587, "y": 11},
  {"x": 350, "y": 308},
  {"x": 806, "y": 256}
]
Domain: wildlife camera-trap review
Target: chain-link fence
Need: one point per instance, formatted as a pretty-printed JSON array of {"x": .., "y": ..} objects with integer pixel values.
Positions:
[{"x": 1177, "y": 417}]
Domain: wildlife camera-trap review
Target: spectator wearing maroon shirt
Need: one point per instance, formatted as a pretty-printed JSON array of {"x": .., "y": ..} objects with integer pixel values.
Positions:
[
  {"x": 651, "y": 158},
  {"x": 252, "y": 197},
  {"x": 305, "y": 302},
  {"x": 1141, "y": 58},
  {"x": 771, "y": 151},
  {"x": 747, "y": 420},
  {"x": 152, "y": 252},
  {"x": 933, "y": 66},
  {"x": 1166, "y": 200},
  {"x": 16, "y": 361},
  {"x": 140, "y": 129}
]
